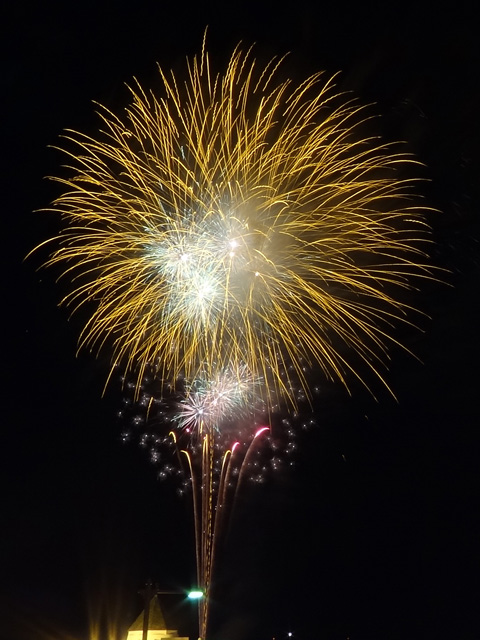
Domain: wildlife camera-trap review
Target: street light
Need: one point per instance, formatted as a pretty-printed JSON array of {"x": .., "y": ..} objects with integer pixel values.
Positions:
[{"x": 151, "y": 590}]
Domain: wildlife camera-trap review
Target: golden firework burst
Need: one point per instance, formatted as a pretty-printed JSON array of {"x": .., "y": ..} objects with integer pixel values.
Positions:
[{"x": 236, "y": 220}]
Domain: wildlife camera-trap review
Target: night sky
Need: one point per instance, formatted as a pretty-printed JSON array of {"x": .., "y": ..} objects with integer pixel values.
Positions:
[{"x": 374, "y": 532}]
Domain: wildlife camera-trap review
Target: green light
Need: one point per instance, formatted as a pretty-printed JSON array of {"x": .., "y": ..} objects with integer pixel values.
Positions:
[{"x": 195, "y": 595}]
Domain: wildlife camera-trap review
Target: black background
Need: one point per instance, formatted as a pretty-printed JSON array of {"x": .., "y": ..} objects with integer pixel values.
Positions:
[{"x": 374, "y": 534}]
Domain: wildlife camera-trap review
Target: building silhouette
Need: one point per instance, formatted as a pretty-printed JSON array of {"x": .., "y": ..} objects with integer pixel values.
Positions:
[{"x": 154, "y": 624}]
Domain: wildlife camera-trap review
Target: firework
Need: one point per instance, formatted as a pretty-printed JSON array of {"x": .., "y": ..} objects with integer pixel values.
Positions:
[
  {"x": 211, "y": 436},
  {"x": 216, "y": 431},
  {"x": 212, "y": 404},
  {"x": 238, "y": 219},
  {"x": 229, "y": 232}
]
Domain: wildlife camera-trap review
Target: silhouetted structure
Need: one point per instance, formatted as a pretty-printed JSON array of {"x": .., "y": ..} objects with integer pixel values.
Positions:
[{"x": 157, "y": 627}]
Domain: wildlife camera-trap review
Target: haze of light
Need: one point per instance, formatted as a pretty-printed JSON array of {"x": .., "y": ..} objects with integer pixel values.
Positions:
[{"x": 240, "y": 222}]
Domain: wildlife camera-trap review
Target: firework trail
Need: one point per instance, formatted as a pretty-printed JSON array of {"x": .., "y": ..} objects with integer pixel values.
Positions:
[
  {"x": 238, "y": 228},
  {"x": 217, "y": 429}
]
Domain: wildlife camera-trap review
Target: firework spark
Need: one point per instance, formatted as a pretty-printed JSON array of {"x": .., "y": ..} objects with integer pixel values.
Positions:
[
  {"x": 239, "y": 219},
  {"x": 166, "y": 418},
  {"x": 213, "y": 403}
]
